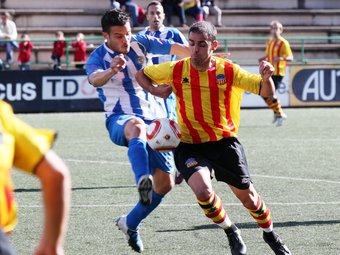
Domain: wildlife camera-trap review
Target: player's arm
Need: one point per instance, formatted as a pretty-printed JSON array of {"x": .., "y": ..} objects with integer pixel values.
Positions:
[
  {"x": 181, "y": 50},
  {"x": 145, "y": 82},
  {"x": 267, "y": 84},
  {"x": 100, "y": 78},
  {"x": 56, "y": 188},
  {"x": 288, "y": 58}
]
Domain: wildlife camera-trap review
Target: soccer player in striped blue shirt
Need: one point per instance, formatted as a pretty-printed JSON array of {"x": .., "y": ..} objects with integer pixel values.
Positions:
[{"x": 111, "y": 68}]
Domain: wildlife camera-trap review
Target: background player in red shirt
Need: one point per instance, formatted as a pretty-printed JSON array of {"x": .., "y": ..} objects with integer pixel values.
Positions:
[
  {"x": 24, "y": 56},
  {"x": 79, "y": 51},
  {"x": 58, "y": 50}
]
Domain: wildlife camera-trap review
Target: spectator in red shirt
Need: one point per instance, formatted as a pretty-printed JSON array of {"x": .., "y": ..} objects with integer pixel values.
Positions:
[
  {"x": 24, "y": 56},
  {"x": 58, "y": 50},
  {"x": 79, "y": 51}
]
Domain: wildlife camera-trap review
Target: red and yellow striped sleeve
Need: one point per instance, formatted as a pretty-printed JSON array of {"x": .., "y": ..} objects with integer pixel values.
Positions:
[
  {"x": 160, "y": 74},
  {"x": 23, "y": 147}
]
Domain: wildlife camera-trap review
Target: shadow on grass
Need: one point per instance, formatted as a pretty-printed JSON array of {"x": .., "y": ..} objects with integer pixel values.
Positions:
[
  {"x": 252, "y": 225},
  {"x": 80, "y": 188}
]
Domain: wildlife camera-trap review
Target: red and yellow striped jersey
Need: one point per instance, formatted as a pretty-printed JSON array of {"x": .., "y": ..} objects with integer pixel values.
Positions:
[
  {"x": 23, "y": 147},
  {"x": 208, "y": 103},
  {"x": 278, "y": 48}
]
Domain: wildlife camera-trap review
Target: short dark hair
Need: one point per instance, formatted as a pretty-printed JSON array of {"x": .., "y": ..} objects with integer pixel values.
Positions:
[
  {"x": 201, "y": 27},
  {"x": 114, "y": 17},
  {"x": 153, "y": 3}
]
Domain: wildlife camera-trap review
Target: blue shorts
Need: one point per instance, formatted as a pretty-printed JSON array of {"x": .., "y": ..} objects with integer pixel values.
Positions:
[{"x": 115, "y": 125}]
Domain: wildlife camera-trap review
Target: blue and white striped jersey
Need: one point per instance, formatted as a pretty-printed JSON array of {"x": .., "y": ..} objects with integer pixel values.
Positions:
[
  {"x": 172, "y": 34},
  {"x": 168, "y": 33},
  {"x": 122, "y": 94}
]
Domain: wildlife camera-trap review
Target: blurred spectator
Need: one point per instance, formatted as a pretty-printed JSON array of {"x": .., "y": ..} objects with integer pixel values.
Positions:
[
  {"x": 79, "y": 51},
  {"x": 114, "y": 4},
  {"x": 209, "y": 7},
  {"x": 194, "y": 9},
  {"x": 172, "y": 7},
  {"x": 8, "y": 30},
  {"x": 58, "y": 50},
  {"x": 24, "y": 56},
  {"x": 137, "y": 13}
]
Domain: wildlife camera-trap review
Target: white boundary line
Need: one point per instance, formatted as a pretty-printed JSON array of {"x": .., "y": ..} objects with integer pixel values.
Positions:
[
  {"x": 188, "y": 205},
  {"x": 294, "y": 178},
  {"x": 255, "y": 175}
]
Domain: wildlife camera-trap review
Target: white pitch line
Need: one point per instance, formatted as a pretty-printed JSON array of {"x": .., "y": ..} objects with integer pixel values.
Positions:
[
  {"x": 190, "y": 205},
  {"x": 294, "y": 178},
  {"x": 97, "y": 161},
  {"x": 256, "y": 175}
]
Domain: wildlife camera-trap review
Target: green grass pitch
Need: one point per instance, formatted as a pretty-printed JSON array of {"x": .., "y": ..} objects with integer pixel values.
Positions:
[{"x": 295, "y": 168}]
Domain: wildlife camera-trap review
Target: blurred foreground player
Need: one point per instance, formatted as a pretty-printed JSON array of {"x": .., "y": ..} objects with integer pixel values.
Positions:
[
  {"x": 278, "y": 52},
  {"x": 209, "y": 91},
  {"x": 111, "y": 68},
  {"x": 29, "y": 149}
]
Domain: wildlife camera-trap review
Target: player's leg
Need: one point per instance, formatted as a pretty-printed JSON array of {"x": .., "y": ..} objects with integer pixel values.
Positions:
[
  {"x": 214, "y": 10},
  {"x": 135, "y": 134},
  {"x": 275, "y": 104},
  {"x": 163, "y": 183},
  {"x": 127, "y": 130},
  {"x": 238, "y": 177},
  {"x": 257, "y": 208},
  {"x": 197, "y": 173}
]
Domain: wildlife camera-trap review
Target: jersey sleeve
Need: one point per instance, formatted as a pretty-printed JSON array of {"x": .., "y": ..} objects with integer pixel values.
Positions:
[
  {"x": 94, "y": 63},
  {"x": 246, "y": 81},
  {"x": 287, "y": 51},
  {"x": 179, "y": 37},
  {"x": 155, "y": 45},
  {"x": 30, "y": 144},
  {"x": 160, "y": 74}
]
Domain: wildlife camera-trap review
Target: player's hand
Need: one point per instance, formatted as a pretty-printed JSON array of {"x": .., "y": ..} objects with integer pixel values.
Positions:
[
  {"x": 162, "y": 91},
  {"x": 266, "y": 70},
  {"x": 118, "y": 63}
]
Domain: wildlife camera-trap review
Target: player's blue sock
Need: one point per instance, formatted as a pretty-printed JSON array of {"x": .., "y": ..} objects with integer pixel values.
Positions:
[
  {"x": 140, "y": 212},
  {"x": 138, "y": 156}
]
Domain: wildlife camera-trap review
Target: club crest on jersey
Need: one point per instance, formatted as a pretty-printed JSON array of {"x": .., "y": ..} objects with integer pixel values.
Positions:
[
  {"x": 221, "y": 79},
  {"x": 140, "y": 60},
  {"x": 191, "y": 162}
]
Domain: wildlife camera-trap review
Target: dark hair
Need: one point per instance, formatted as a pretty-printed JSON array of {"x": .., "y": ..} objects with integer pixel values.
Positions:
[
  {"x": 202, "y": 27},
  {"x": 114, "y": 17},
  {"x": 153, "y": 3}
]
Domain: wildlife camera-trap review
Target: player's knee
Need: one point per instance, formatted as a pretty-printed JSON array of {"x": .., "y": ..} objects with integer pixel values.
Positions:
[
  {"x": 135, "y": 128},
  {"x": 250, "y": 200},
  {"x": 165, "y": 186},
  {"x": 203, "y": 193}
]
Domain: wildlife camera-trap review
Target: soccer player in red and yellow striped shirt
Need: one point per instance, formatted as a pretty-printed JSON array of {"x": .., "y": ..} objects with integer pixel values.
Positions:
[
  {"x": 28, "y": 149},
  {"x": 278, "y": 52},
  {"x": 209, "y": 90}
]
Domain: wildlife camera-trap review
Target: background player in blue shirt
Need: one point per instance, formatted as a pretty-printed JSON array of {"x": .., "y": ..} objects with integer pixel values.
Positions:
[
  {"x": 155, "y": 17},
  {"x": 111, "y": 68}
]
